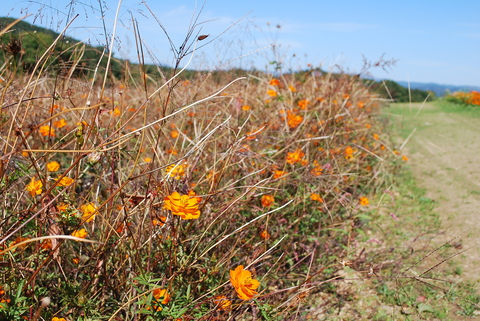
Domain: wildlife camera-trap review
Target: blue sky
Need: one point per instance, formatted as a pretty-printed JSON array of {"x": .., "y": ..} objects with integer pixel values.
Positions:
[{"x": 432, "y": 41}]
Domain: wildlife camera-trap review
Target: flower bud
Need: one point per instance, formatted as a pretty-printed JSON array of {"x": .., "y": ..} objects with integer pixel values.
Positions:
[{"x": 93, "y": 158}]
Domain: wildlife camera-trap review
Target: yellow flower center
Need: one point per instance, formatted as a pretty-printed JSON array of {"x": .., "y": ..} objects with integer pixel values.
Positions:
[{"x": 184, "y": 199}]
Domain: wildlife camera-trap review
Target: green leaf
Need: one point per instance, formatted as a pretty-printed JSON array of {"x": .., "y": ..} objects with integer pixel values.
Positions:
[{"x": 422, "y": 307}]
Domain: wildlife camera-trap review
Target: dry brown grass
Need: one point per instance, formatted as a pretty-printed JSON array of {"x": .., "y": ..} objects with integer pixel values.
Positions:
[{"x": 237, "y": 144}]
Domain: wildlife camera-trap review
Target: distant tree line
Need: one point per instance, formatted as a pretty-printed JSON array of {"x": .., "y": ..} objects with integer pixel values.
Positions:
[{"x": 390, "y": 89}]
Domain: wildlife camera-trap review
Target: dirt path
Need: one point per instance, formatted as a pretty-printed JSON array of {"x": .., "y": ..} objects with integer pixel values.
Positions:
[{"x": 444, "y": 152}]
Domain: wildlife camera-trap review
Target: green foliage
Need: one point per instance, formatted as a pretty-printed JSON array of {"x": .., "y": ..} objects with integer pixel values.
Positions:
[
  {"x": 24, "y": 44},
  {"x": 17, "y": 306},
  {"x": 390, "y": 89}
]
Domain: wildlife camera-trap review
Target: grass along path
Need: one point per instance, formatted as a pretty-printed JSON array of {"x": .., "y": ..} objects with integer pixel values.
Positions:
[
  {"x": 444, "y": 150},
  {"x": 422, "y": 242}
]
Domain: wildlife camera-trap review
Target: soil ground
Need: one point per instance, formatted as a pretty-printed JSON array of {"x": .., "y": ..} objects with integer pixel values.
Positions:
[{"x": 443, "y": 146}]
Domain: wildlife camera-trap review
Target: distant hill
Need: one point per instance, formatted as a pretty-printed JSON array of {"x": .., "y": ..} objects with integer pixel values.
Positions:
[
  {"x": 23, "y": 26},
  {"x": 25, "y": 43},
  {"x": 438, "y": 89}
]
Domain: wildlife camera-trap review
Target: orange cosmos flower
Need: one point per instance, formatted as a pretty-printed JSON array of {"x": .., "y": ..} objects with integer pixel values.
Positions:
[
  {"x": 88, "y": 211},
  {"x": 115, "y": 112},
  {"x": 265, "y": 235},
  {"x": 60, "y": 123},
  {"x": 404, "y": 158},
  {"x": 274, "y": 82},
  {"x": 65, "y": 181},
  {"x": 295, "y": 157},
  {"x": 246, "y": 107},
  {"x": 278, "y": 173},
  {"x": 62, "y": 207},
  {"x": 174, "y": 134},
  {"x": 20, "y": 240},
  {"x": 184, "y": 206},
  {"x": 349, "y": 153},
  {"x": 176, "y": 171},
  {"x": 364, "y": 201},
  {"x": 243, "y": 283},
  {"x": 271, "y": 93},
  {"x": 80, "y": 233},
  {"x": 317, "y": 169},
  {"x": 34, "y": 187},
  {"x": 293, "y": 119},
  {"x": 46, "y": 130},
  {"x": 303, "y": 103},
  {"x": 53, "y": 166},
  {"x": 291, "y": 88},
  {"x": 316, "y": 197},
  {"x": 348, "y": 150},
  {"x": 222, "y": 302},
  {"x": 162, "y": 296},
  {"x": 267, "y": 200},
  {"x": 46, "y": 245},
  {"x": 361, "y": 104},
  {"x": 52, "y": 108},
  {"x": 58, "y": 319}
]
